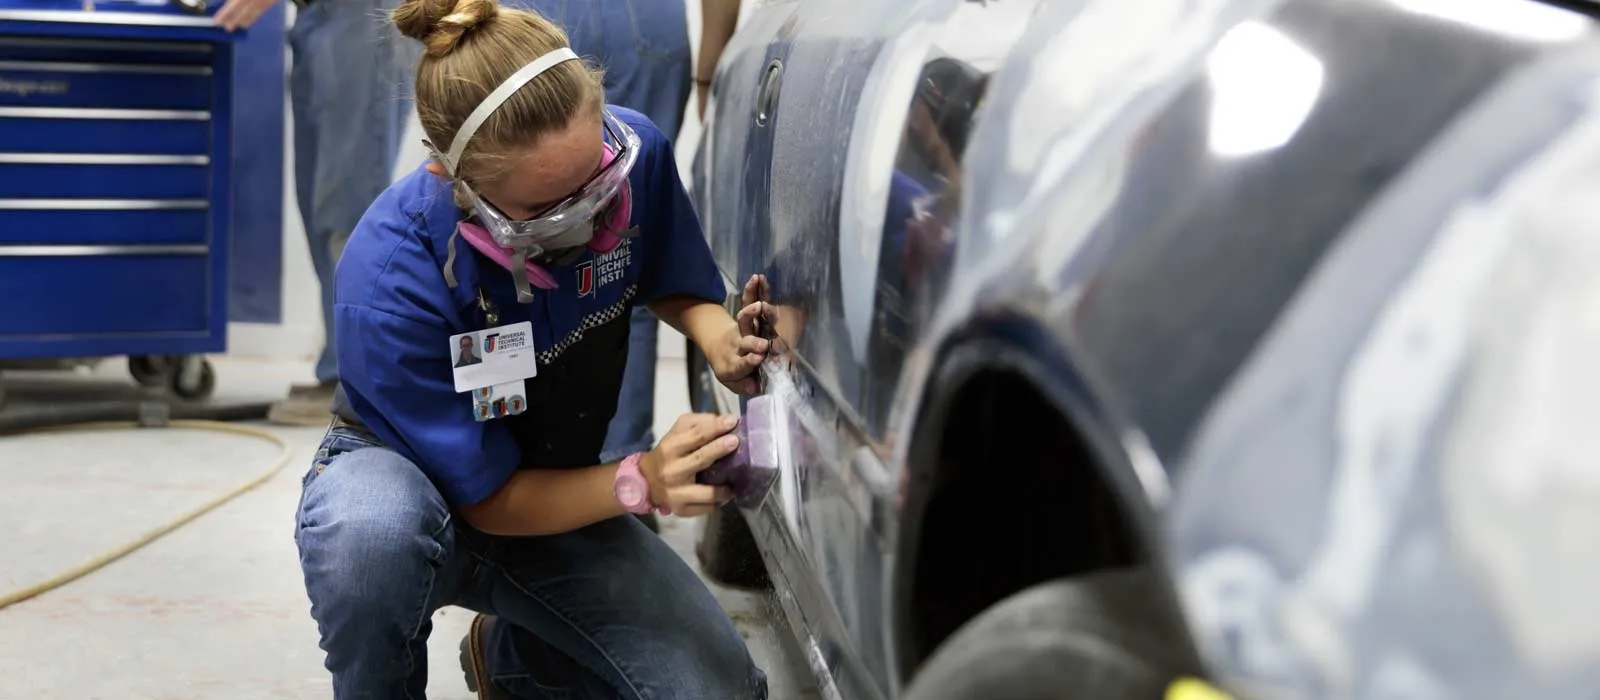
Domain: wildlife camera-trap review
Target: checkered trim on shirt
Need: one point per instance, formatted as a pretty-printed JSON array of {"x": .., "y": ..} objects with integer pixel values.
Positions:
[{"x": 594, "y": 320}]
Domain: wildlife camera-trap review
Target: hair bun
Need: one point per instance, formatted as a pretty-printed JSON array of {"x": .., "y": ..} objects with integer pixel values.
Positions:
[{"x": 440, "y": 24}]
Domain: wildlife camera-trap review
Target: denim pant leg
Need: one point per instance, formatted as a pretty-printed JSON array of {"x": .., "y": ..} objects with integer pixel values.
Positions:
[
  {"x": 608, "y": 612},
  {"x": 631, "y": 428},
  {"x": 349, "y": 89},
  {"x": 379, "y": 555}
]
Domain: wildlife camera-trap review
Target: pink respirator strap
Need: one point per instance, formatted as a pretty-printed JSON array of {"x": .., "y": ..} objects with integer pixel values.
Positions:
[
  {"x": 479, "y": 238},
  {"x": 607, "y": 233}
]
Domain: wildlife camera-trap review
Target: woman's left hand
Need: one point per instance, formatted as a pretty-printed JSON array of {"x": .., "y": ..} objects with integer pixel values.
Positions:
[{"x": 743, "y": 349}]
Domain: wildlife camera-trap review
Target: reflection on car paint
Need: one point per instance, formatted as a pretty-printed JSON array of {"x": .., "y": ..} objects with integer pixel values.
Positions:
[{"x": 1390, "y": 562}]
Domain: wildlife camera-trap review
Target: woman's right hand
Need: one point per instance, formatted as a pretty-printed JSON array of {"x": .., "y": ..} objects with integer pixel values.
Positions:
[{"x": 695, "y": 441}]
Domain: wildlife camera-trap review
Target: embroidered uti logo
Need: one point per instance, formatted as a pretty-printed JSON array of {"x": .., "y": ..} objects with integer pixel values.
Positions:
[{"x": 604, "y": 269}]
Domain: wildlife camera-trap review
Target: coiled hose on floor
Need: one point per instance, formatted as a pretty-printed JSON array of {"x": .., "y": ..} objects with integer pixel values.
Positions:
[{"x": 121, "y": 416}]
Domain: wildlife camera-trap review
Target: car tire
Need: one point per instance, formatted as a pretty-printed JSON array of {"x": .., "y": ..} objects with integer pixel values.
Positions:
[
  {"x": 1101, "y": 636},
  {"x": 727, "y": 549}
]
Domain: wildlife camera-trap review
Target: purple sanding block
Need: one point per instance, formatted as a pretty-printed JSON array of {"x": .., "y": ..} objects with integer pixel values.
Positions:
[
  {"x": 723, "y": 470},
  {"x": 752, "y": 469}
]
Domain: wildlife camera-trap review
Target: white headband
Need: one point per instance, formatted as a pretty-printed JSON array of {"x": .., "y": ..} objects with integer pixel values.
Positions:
[{"x": 498, "y": 97}]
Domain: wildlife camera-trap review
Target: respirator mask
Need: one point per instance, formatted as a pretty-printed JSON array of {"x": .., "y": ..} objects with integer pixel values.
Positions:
[{"x": 594, "y": 217}]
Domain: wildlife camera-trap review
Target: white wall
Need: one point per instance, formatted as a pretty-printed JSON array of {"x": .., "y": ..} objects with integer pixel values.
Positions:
[{"x": 299, "y": 335}]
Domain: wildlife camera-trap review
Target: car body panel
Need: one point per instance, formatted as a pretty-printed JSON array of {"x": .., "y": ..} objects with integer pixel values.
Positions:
[
  {"x": 1434, "y": 386},
  {"x": 1131, "y": 193},
  {"x": 840, "y": 78}
]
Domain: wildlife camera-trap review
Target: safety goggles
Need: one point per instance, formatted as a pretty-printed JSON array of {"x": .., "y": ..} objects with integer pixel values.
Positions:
[{"x": 569, "y": 222}]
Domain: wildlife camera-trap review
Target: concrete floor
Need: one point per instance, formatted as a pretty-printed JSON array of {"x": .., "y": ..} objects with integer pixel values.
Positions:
[{"x": 217, "y": 609}]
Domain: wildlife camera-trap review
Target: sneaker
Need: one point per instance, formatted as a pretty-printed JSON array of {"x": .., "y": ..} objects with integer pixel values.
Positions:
[
  {"x": 308, "y": 406},
  {"x": 473, "y": 664}
]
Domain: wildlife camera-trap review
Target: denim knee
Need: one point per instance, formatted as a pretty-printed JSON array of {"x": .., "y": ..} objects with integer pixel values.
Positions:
[
  {"x": 727, "y": 669},
  {"x": 374, "y": 536}
]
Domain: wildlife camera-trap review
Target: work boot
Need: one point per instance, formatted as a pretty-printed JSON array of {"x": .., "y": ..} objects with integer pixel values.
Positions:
[
  {"x": 308, "y": 405},
  {"x": 473, "y": 664}
]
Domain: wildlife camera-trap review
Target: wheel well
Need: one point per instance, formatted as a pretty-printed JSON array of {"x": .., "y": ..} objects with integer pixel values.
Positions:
[{"x": 1010, "y": 495}]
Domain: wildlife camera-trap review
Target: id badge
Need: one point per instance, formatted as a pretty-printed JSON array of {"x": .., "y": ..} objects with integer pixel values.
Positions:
[
  {"x": 494, "y": 365},
  {"x": 493, "y": 356}
]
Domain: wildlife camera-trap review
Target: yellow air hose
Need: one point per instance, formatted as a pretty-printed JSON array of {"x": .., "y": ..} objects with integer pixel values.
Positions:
[{"x": 285, "y": 455}]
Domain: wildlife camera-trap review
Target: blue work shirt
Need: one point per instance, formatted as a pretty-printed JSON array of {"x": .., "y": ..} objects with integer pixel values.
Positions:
[{"x": 394, "y": 315}]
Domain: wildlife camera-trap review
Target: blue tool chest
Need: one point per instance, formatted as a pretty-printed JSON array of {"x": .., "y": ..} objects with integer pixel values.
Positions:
[{"x": 114, "y": 179}]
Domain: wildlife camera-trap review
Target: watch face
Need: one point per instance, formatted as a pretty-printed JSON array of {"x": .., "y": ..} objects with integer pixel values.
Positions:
[{"x": 630, "y": 493}]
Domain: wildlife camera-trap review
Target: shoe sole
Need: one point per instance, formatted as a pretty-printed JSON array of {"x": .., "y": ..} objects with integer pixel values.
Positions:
[
  {"x": 471, "y": 651},
  {"x": 466, "y": 664}
]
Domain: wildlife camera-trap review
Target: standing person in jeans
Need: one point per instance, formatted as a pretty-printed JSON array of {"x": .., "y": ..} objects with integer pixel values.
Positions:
[
  {"x": 348, "y": 92},
  {"x": 718, "y": 19},
  {"x": 643, "y": 45}
]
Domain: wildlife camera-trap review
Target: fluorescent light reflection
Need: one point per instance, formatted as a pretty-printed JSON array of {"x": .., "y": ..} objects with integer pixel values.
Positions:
[
  {"x": 1263, "y": 86},
  {"x": 1531, "y": 21}
]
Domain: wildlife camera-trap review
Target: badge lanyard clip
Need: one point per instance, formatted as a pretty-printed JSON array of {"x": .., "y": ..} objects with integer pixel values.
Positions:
[{"x": 491, "y": 315}]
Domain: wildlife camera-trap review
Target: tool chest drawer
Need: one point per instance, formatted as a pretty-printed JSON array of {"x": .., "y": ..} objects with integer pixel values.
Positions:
[
  {"x": 113, "y": 222},
  {"x": 76, "y": 50},
  {"x": 67, "y": 130},
  {"x": 104, "y": 294},
  {"x": 108, "y": 175},
  {"x": 103, "y": 85}
]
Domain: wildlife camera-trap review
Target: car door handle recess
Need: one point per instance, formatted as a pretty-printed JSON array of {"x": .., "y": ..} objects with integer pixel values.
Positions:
[{"x": 767, "y": 98}]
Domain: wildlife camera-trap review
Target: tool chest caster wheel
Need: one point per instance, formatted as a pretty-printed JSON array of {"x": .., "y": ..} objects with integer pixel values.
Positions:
[
  {"x": 150, "y": 370},
  {"x": 193, "y": 379}
]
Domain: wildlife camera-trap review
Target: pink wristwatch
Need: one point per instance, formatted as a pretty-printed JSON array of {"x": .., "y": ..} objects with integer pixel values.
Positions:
[{"x": 632, "y": 491}]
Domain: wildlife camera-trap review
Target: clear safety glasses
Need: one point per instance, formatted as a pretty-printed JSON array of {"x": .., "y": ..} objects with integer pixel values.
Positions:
[{"x": 570, "y": 222}]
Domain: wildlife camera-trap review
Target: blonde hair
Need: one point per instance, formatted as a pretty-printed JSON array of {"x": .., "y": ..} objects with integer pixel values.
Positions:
[{"x": 471, "y": 46}]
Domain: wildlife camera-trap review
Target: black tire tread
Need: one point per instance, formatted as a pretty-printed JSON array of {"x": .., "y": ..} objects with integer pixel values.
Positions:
[{"x": 1097, "y": 637}]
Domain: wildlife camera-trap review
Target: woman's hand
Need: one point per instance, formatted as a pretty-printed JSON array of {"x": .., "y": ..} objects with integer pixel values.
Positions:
[
  {"x": 743, "y": 349},
  {"x": 693, "y": 444}
]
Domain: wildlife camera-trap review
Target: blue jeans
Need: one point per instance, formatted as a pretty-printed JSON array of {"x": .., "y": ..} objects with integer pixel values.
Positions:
[
  {"x": 605, "y": 612},
  {"x": 349, "y": 89},
  {"x": 644, "y": 47}
]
